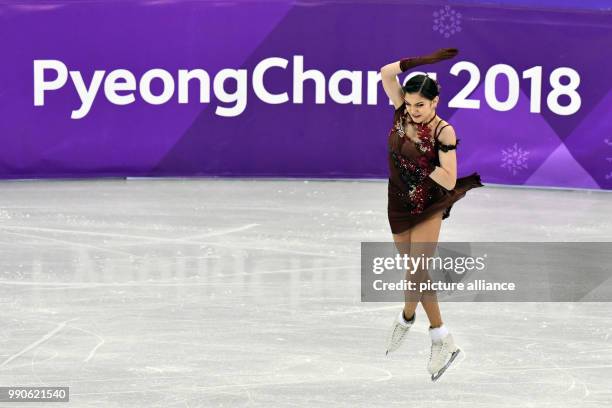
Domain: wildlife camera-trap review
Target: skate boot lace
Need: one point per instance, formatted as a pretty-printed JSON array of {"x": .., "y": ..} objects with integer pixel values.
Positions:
[
  {"x": 398, "y": 333},
  {"x": 439, "y": 350}
]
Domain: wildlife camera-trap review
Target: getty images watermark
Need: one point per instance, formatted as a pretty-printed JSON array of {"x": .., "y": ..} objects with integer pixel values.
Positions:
[
  {"x": 494, "y": 271},
  {"x": 413, "y": 264}
]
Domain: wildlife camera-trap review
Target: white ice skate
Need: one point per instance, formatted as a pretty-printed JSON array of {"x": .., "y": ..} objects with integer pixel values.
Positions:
[
  {"x": 398, "y": 331},
  {"x": 443, "y": 353}
]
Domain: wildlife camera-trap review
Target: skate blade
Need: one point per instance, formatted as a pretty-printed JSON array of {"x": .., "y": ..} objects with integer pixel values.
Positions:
[{"x": 437, "y": 375}]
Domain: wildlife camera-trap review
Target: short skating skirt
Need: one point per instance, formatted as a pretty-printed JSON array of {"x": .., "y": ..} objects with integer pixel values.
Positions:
[{"x": 440, "y": 201}]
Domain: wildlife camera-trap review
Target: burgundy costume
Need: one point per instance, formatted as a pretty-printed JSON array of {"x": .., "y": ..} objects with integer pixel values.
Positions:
[{"x": 412, "y": 195}]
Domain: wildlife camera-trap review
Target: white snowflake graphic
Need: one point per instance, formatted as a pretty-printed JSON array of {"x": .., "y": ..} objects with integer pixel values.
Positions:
[
  {"x": 447, "y": 21},
  {"x": 514, "y": 159}
]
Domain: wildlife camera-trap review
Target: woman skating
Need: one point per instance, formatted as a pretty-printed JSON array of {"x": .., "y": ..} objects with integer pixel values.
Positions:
[{"x": 423, "y": 186}]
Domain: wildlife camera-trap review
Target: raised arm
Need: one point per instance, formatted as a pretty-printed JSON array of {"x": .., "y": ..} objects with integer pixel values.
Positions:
[
  {"x": 391, "y": 83},
  {"x": 389, "y": 72}
]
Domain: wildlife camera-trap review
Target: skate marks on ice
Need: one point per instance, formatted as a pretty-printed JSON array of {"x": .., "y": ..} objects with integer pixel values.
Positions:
[
  {"x": 65, "y": 325},
  {"x": 268, "y": 317},
  {"x": 35, "y": 344}
]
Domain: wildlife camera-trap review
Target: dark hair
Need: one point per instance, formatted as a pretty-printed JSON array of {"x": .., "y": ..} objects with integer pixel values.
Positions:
[{"x": 426, "y": 86}]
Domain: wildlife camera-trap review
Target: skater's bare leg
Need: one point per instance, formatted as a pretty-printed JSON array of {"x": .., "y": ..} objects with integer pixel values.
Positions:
[
  {"x": 427, "y": 231},
  {"x": 402, "y": 243}
]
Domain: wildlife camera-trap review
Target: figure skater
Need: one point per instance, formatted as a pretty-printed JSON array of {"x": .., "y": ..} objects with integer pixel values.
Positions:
[{"x": 422, "y": 188}]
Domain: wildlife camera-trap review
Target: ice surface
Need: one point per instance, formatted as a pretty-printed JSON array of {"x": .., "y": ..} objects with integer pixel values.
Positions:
[{"x": 210, "y": 292}]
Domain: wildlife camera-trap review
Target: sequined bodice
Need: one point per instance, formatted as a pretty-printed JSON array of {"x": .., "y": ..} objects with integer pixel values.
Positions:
[
  {"x": 407, "y": 160},
  {"x": 425, "y": 146}
]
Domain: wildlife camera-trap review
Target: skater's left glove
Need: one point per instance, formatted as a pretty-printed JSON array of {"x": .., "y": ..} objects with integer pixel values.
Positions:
[{"x": 436, "y": 56}]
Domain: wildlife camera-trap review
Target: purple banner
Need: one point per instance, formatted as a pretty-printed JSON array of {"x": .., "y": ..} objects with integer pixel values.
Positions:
[{"x": 292, "y": 89}]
